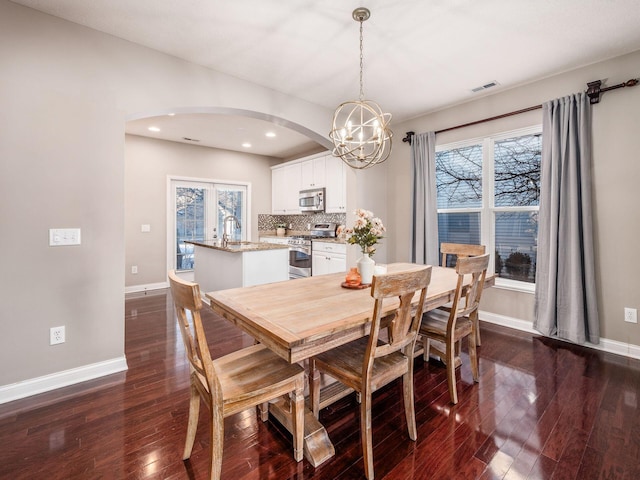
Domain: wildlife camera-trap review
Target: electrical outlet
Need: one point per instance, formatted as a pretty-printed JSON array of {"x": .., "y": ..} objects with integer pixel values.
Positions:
[
  {"x": 630, "y": 315},
  {"x": 56, "y": 335},
  {"x": 134, "y": 269}
]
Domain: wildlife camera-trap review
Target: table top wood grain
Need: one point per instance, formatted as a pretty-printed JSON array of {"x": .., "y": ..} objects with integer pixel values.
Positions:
[{"x": 300, "y": 318}]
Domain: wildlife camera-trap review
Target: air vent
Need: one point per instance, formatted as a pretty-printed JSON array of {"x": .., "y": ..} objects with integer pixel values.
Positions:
[
  {"x": 485, "y": 86},
  {"x": 190, "y": 139}
]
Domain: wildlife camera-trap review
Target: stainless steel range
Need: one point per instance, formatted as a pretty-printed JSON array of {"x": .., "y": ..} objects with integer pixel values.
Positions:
[{"x": 300, "y": 249}]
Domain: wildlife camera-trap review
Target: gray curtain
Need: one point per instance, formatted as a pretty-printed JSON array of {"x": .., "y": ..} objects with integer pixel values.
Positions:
[
  {"x": 424, "y": 241},
  {"x": 565, "y": 278}
]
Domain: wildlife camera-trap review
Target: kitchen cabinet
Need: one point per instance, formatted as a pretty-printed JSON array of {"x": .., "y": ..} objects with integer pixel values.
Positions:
[
  {"x": 285, "y": 187},
  {"x": 316, "y": 172},
  {"x": 328, "y": 257},
  {"x": 336, "y": 185},
  {"x": 313, "y": 173}
]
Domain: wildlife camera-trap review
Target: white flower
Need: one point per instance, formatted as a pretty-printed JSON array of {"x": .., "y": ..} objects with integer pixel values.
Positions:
[{"x": 366, "y": 232}]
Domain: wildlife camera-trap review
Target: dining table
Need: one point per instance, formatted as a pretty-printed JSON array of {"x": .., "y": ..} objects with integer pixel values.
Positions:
[{"x": 300, "y": 318}]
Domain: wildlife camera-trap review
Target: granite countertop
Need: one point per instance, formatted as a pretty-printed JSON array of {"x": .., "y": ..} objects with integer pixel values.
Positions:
[
  {"x": 292, "y": 233},
  {"x": 237, "y": 247},
  {"x": 330, "y": 240}
]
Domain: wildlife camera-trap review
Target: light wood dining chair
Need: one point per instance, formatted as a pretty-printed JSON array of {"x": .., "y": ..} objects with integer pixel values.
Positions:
[
  {"x": 461, "y": 322},
  {"x": 369, "y": 363},
  {"x": 233, "y": 383},
  {"x": 461, "y": 250}
]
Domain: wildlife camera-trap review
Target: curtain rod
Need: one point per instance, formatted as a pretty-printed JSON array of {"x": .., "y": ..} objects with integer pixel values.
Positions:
[{"x": 594, "y": 90}]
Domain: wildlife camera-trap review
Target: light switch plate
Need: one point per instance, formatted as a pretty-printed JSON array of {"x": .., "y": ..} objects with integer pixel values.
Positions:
[
  {"x": 145, "y": 228},
  {"x": 64, "y": 236}
]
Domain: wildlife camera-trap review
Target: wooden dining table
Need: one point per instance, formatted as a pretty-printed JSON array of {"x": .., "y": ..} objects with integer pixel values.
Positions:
[{"x": 300, "y": 318}]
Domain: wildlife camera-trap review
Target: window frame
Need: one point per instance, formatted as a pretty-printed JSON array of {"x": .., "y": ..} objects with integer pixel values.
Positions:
[{"x": 488, "y": 210}]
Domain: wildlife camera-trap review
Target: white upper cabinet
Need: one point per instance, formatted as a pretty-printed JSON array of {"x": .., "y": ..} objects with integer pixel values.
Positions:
[
  {"x": 285, "y": 187},
  {"x": 313, "y": 173},
  {"x": 336, "y": 185},
  {"x": 317, "y": 171}
]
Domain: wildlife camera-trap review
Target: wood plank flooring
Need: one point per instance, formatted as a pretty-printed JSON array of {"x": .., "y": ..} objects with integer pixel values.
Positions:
[{"x": 543, "y": 409}]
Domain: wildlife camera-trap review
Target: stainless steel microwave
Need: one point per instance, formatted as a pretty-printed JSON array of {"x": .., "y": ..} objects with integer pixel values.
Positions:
[{"x": 311, "y": 200}]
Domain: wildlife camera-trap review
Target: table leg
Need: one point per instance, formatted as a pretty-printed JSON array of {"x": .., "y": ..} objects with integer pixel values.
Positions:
[{"x": 317, "y": 446}]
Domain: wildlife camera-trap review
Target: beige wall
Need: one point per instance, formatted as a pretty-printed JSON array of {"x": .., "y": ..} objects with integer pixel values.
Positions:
[
  {"x": 65, "y": 94},
  {"x": 148, "y": 162},
  {"x": 616, "y": 171}
]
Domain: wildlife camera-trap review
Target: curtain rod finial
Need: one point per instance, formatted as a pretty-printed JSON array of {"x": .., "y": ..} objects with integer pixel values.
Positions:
[
  {"x": 409, "y": 137},
  {"x": 593, "y": 91}
]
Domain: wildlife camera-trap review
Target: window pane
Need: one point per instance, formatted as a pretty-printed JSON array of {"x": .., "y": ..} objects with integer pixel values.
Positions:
[
  {"x": 516, "y": 236},
  {"x": 190, "y": 223},
  {"x": 459, "y": 177},
  {"x": 517, "y": 171},
  {"x": 458, "y": 228}
]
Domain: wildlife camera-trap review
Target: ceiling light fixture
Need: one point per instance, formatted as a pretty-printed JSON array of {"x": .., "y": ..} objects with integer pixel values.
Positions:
[
  {"x": 270, "y": 134},
  {"x": 360, "y": 131},
  {"x": 246, "y": 145},
  {"x": 154, "y": 129}
]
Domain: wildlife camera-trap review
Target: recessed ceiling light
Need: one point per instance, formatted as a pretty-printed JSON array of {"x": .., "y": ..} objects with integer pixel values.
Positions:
[
  {"x": 246, "y": 145},
  {"x": 154, "y": 129},
  {"x": 171, "y": 114},
  {"x": 270, "y": 134}
]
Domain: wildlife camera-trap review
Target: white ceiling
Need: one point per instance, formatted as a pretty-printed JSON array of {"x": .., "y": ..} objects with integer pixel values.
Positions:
[{"x": 419, "y": 55}]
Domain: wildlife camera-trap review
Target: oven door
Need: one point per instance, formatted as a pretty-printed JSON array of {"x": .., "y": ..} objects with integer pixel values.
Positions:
[{"x": 299, "y": 261}]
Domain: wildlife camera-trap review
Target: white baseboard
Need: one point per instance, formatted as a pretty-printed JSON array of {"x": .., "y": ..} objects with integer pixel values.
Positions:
[
  {"x": 606, "y": 345},
  {"x": 33, "y": 386},
  {"x": 144, "y": 288}
]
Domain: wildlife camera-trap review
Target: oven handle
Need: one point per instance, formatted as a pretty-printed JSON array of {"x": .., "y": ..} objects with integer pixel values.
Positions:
[{"x": 305, "y": 250}]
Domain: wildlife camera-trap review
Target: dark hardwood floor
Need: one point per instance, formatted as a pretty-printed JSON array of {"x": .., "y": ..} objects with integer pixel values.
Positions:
[{"x": 543, "y": 409}]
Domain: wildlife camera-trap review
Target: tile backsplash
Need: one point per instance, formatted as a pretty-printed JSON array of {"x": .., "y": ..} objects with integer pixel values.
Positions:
[{"x": 268, "y": 222}]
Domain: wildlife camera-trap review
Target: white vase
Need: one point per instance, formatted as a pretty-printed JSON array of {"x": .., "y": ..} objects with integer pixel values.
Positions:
[{"x": 365, "y": 267}]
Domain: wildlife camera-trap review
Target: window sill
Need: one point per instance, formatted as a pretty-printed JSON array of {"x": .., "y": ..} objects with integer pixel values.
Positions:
[{"x": 515, "y": 286}]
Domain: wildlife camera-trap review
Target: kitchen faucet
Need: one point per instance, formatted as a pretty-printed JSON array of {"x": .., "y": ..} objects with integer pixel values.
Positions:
[{"x": 225, "y": 235}]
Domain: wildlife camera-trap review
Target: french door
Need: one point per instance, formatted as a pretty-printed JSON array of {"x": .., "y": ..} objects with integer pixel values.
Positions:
[{"x": 197, "y": 212}]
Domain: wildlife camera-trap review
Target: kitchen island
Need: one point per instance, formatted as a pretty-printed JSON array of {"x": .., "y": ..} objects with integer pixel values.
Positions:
[{"x": 238, "y": 264}]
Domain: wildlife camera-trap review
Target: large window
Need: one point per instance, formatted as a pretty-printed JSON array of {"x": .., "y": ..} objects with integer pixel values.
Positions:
[
  {"x": 488, "y": 192},
  {"x": 200, "y": 209}
]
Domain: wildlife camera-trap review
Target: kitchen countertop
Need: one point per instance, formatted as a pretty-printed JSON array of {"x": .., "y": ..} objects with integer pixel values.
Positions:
[
  {"x": 291, "y": 235},
  {"x": 237, "y": 247}
]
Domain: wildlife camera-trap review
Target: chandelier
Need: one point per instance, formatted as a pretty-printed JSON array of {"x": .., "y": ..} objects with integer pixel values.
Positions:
[{"x": 360, "y": 131}]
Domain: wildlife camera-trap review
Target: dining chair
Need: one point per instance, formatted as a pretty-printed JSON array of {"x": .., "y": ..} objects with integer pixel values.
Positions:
[
  {"x": 367, "y": 364},
  {"x": 230, "y": 384},
  {"x": 461, "y": 250},
  {"x": 461, "y": 322}
]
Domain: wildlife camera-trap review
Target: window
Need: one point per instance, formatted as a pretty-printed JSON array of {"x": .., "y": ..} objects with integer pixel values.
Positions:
[
  {"x": 488, "y": 192},
  {"x": 199, "y": 211}
]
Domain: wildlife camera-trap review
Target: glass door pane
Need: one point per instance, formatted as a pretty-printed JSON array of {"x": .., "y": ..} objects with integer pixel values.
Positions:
[
  {"x": 230, "y": 200},
  {"x": 191, "y": 208}
]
